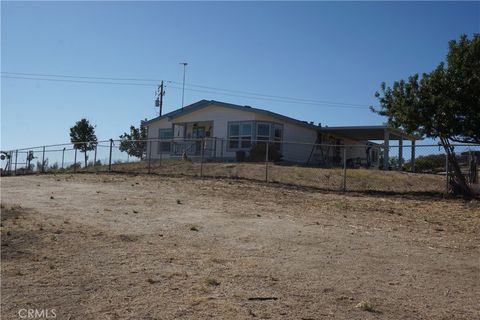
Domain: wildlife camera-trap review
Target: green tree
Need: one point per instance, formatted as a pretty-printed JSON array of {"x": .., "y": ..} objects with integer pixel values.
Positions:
[
  {"x": 442, "y": 104},
  {"x": 134, "y": 143},
  {"x": 82, "y": 135}
]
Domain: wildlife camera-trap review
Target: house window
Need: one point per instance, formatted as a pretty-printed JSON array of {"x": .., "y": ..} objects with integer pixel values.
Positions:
[
  {"x": 239, "y": 135},
  {"x": 277, "y": 135},
  {"x": 165, "y": 143},
  {"x": 263, "y": 131}
]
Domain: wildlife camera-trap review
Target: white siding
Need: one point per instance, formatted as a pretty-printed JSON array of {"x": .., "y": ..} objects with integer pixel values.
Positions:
[
  {"x": 298, "y": 139},
  {"x": 153, "y": 131}
]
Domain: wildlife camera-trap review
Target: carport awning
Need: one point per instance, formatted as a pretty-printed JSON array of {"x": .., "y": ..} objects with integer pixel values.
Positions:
[{"x": 369, "y": 132}]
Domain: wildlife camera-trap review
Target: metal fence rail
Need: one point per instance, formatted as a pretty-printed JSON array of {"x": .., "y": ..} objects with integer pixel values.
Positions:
[{"x": 361, "y": 167}]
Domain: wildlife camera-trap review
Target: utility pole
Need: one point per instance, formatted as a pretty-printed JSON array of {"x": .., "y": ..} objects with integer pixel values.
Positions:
[
  {"x": 159, "y": 98},
  {"x": 183, "y": 88}
]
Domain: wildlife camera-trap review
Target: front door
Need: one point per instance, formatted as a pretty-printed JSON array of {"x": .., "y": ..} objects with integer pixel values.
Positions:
[{"x": 198, "y": 133}]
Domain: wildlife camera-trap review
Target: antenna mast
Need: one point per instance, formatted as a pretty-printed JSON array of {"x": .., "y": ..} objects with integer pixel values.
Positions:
[{"x": 183, "y": 88}]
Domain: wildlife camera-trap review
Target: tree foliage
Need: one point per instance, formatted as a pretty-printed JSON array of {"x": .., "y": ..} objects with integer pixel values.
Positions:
[
  {"x": 134, "y": 143},
  {"x": 443, "y": 104},
  {"x": 84, "y": 132}
]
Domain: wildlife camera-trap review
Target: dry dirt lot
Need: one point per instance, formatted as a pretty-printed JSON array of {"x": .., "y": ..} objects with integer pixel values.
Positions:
[{"x": 148, "y": 247}]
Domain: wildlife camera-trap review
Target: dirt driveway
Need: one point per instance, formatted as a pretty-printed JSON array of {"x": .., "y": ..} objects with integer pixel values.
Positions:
[{"x": 144, "y": 247}]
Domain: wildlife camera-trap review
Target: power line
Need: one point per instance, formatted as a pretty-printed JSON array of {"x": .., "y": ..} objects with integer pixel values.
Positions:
[
  {"x": 80, "y": 77},
  {"x": 271, "y": 99},
  {"x": 213, "y": 90},
  {"x": 80, "y": 81}
]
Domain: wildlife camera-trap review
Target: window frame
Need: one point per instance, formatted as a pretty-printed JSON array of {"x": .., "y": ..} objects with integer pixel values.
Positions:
[
  {"x": 261, "y": 138},
  {"x": 162, "y": 142},
  {"x": 241, "y": 137}
]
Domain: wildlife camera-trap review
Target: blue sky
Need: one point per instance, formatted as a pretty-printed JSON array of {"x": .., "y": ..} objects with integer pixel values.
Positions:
[{"x": 337, "y": 52}]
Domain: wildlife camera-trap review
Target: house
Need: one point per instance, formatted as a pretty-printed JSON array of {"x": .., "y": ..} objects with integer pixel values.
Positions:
[{"x": 224, "y": 129}]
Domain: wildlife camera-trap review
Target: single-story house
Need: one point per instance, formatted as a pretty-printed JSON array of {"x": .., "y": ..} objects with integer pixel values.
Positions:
[{"x": 223, "y": 129}]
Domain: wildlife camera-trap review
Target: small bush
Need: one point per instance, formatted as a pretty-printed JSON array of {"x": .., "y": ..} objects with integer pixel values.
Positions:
[
  {"x": 258, "y": 151},
  {"x": 74, "y": 165},
  {"x": 430, "y": 163},
  {"x": 366, "y": 305},
  {"x": 42, "y": 166},
  {"x": 97, "y": 163},
  {"x": 212, "y": 282},
  {"x": 54, "y": 166}
]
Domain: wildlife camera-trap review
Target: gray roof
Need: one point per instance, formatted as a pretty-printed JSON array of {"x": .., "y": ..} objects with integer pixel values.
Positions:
[
  {"x": 369, "y": 132},
  {"x": 353, "y": 132},
  {"x": 205, "y": 103}
]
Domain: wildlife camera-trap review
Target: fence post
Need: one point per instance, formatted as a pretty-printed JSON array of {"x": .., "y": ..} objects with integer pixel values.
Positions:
[
  {"x": 75, "y": 160},
  {"x": 344, "y": 183},
  {"x": 159, "y": 149},
  {"x": 266, "y": 161},
  {"x": 221, "y": 149},
  {"x": 16, "y": 160},
  {"x": 8, "y": 166},
  {"x": 446, "y": 174},
  {"x": 149, "y": 155},
  {"x": 202, "y": 151},
  {"x": 95, "y": 156},
  {"x": 215, "y": 148},
  {"x": 110, "y": 157},
  {"x": 43, "y": 160}
]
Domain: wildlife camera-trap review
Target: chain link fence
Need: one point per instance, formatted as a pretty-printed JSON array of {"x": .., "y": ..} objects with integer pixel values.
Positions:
[{"x": 360, "y": 168}]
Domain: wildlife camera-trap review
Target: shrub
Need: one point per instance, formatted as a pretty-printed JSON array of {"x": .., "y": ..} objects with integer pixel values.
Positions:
[
  {"x": 42, "y": 166},
  {"x": 258, "y": 150},
  {"x": 97, "y": 163},
  {"x": 429, "y": 163},
  {"x": 74, "y": 165}
]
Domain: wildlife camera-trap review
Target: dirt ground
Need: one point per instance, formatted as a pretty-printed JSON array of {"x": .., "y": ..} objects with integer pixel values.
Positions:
[{"x": 148, "y": 247}]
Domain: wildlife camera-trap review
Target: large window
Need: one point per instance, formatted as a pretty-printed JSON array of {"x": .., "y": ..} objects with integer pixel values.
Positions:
[
  {"x": 277, "y": 135},
  {"x": 239, "y": 135},
  {"x": 263, "y": 131},
  {"x": 165, "y": 145}
]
